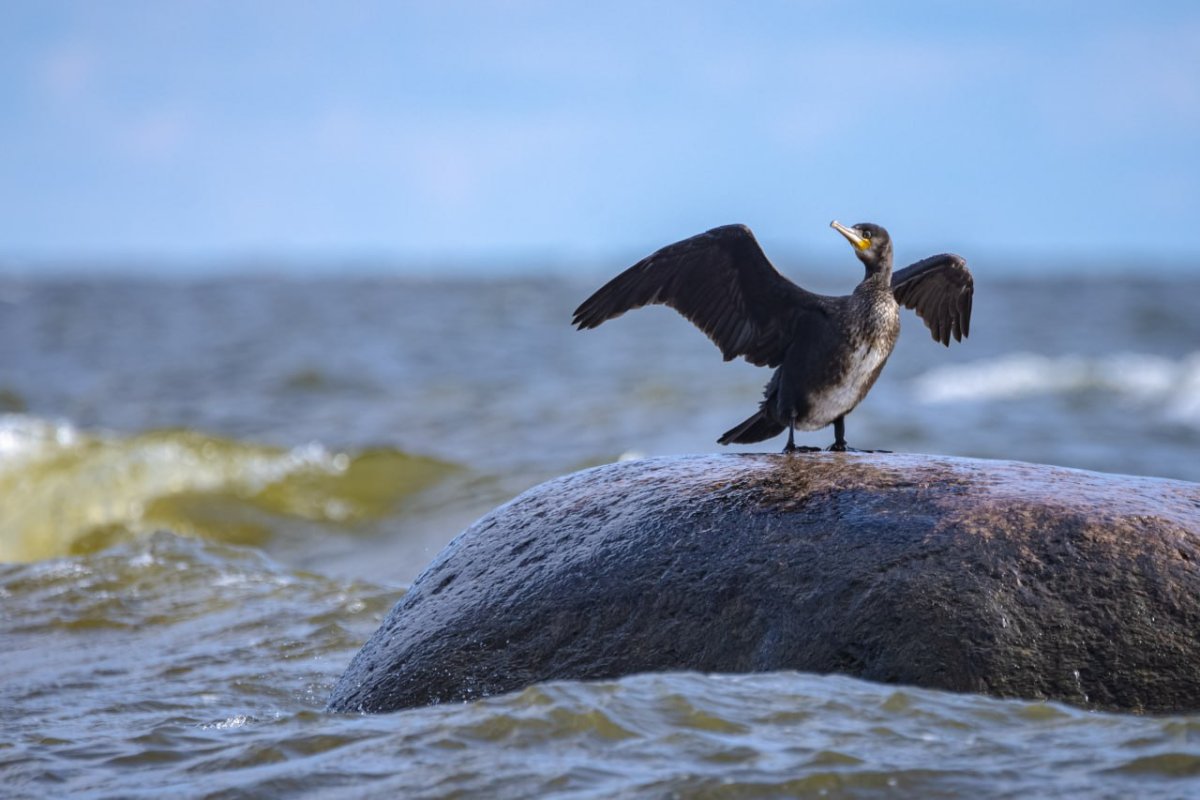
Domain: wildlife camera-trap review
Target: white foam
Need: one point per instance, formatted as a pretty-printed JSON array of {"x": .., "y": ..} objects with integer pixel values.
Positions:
[
  {"x": 24, "y": 438},
  {"x": 1173, "y": 386}
]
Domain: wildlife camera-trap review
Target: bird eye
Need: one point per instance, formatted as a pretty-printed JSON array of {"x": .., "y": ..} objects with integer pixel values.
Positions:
[{"x": 866, "y": 235}]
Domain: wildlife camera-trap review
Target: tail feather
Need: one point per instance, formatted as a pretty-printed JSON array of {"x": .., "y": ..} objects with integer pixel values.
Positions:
[{"x": 757, "y": 428}]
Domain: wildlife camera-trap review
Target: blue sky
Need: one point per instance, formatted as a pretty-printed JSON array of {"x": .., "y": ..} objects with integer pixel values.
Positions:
[{"x": 514, "y": 133}]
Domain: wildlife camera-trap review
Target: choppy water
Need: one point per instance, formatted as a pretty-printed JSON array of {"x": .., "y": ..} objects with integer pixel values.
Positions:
[{"x": 210, "y": 494}]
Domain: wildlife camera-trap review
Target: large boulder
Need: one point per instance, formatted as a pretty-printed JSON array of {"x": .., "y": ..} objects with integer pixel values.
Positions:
[{"x": 1012, "y": 579}]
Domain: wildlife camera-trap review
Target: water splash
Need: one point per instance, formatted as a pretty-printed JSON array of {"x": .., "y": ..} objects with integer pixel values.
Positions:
[{"x": 70, "y": 491}]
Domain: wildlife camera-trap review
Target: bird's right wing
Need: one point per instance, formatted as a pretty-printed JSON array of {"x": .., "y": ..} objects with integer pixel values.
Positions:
[{"x": 723, "y": 283}]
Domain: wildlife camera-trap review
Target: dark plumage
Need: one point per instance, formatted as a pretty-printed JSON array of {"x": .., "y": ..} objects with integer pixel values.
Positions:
[{"x": 827, "y": 351}]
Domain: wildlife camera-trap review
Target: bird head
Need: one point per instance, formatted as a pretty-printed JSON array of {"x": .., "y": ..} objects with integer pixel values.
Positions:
[{"x": 871, "y": 244}]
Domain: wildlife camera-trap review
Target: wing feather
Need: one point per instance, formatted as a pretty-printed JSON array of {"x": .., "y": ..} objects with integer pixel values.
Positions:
[
  {"x": 940, "y": 289},
  {"x": 723, "y": 283}
]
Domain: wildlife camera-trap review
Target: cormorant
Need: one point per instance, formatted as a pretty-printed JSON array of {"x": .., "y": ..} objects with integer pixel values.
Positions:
[{"x": 827, "y": 351}]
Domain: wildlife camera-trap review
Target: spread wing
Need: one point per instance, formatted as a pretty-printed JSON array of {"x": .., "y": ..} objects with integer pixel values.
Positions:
[
  {"x": 940, "y": 288},
  {"x": 723, "y": 283}
]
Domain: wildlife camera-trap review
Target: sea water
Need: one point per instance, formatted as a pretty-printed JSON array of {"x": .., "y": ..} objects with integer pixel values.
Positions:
[{"x": 211, "y": 491}]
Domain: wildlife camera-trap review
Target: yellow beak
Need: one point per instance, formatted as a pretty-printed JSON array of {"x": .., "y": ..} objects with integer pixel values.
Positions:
[{"x": 851, "y": 235}]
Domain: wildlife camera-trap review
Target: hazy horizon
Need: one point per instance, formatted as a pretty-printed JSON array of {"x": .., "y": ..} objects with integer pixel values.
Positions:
[{"x": 800, "y": 265}]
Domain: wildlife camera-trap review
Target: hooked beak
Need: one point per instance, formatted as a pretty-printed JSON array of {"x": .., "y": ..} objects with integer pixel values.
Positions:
[{"x": 851, "y": 235}]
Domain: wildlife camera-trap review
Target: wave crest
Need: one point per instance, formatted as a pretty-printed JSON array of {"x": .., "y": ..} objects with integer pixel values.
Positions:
[
  {"x": 1141, "y": 380},
  {"x": 70, "y": 491}
]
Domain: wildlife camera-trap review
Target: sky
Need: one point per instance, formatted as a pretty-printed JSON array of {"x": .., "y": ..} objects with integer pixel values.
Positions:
[{"x": 187, "y": 135}]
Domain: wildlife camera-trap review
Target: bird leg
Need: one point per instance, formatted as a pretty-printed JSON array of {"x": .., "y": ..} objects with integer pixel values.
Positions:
[
  {"x": 791, "y": 444},
  {"x": 839, "y": 439},
  {"x": 790, "y": 447},
  {"x": 839, "y": 435}
]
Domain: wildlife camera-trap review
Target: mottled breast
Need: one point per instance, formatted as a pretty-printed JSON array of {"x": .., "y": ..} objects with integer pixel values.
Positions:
[{"x": 870, "y": 343}]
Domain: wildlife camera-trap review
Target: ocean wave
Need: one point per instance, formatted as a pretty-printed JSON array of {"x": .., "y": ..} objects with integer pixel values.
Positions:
[
  {"x": 1139, "y": 380},
  {"x": 70, "y": 491}
]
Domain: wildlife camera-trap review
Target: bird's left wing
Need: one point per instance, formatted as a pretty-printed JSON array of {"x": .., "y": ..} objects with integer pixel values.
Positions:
[{"x": 940, "y": 289}]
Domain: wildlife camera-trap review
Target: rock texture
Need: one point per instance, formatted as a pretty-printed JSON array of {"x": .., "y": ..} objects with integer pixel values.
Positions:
[{"x": 1011, "y": 579}]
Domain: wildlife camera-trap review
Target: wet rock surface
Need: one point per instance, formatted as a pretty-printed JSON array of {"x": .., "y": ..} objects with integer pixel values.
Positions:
[{"x": 1011, "y": 579}]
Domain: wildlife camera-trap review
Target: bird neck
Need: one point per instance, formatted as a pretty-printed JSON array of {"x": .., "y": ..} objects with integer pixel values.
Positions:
[{"x": 879, "y": 270}]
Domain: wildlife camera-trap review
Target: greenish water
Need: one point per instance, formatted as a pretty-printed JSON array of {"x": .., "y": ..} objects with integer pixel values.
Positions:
[{"x": 211, "y": 493}]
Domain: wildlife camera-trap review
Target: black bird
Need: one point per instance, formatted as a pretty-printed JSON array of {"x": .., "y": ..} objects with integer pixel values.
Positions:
[{"x": 827, "y": 351}]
